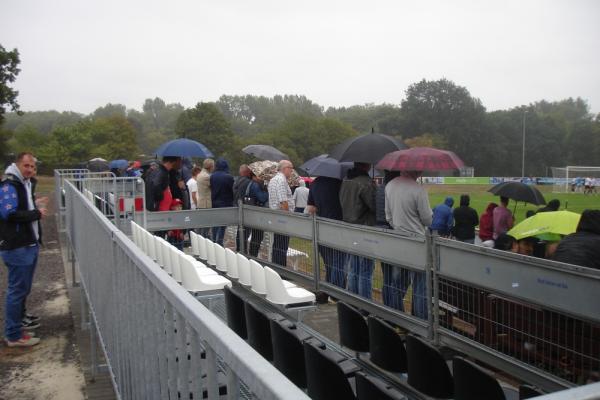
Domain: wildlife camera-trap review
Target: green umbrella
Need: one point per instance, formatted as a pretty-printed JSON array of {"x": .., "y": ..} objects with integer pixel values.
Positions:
[{"x": 546, "y": 225}]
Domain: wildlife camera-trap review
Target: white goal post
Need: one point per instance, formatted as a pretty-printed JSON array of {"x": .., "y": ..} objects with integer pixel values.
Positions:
[{"x": 572, "y": 179}]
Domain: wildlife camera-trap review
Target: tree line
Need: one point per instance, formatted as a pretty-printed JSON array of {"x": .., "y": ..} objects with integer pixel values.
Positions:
[{"x": 436, "y": 113}]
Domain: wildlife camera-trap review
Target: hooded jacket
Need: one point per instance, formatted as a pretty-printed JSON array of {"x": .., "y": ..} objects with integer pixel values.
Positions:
[
  {"x": 16, "y": 218},
  {"x": 357, "y": 198},
  {"x": 443, "y": 221},
  {"x": 486, "y": 223},
  {"x": 221, "y": 185},
  {"x": 465, "y": 220},
  {"x": 583, "y": 246}
]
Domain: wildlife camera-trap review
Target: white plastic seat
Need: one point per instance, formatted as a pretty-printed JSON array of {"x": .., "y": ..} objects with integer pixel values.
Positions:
[
  {"x": 231, "y": 259},
  {"x": 211, "y": 258},
  {"x": 202, "y": 269},
  {"x": 158, "y": 251},
  {"x": 194, "y": 281},
  {"x": 257, "y": 273},
  {"x": 202, "y": 250},
  {"x": 243, "y": 270},
  {"x": 194, "y": 243},
  {"x": 165, "y": 249},
  {"x": 277, "y": 293},
  {"x": 144, "y": 238},
  {"x": 151, "y": 249},
  {"x": 175, "y": 268},
  {"x": 134, "y": 233},
  {"x": 221, "y": 261}
]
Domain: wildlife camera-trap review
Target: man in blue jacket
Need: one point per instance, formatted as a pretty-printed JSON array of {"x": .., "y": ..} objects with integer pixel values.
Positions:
[
  {"x": 221, "y": 193},
  {"x": 443, "y": 220},
  {"x": 20, "y": 236}
]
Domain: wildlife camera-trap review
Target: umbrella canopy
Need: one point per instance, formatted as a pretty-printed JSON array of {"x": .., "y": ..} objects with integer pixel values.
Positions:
[
  {"x": 368, "y": 148},
  {"x": 183, "y": 148},
  {"x": 265, "y": 152},
  {"x": 118, "y": 164},
  {"x": 546, "y": 223},
  {"x": 519, "y": 192},
  {"x": 98, "y": 165},
  {"x": 266, "y": 170},
  {"x": 420, "y": 159},
  {"x": 324, "y": 165}
]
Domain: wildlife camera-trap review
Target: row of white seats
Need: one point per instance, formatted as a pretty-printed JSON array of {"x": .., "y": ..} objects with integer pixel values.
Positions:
[
  {"x": 193, "y": 275},
  {"x": 261, "y": 280}
]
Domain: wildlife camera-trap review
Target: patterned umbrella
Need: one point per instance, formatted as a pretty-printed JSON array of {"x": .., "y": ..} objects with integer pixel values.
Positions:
[
  {"x": 266, "y": 170},
  {"x": 420, "y": 159},
  {"x": 265, "y": 152}
]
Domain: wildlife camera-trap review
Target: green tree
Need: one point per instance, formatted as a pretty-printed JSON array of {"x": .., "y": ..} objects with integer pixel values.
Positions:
[
  {"x": 110, "y": 110},
  {"x": 66, "y": 146},
  {"x": 5, "y": 153},
  {"x": 27, "y": 138},
  {"x": 112, "y": 138},
  {"x": 43, "y": 121},
  {"x": 207, "y": 125},
  {"x": 9, "y": 62}
]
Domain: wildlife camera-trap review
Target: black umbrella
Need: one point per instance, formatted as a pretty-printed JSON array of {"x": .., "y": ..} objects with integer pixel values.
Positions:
[
  {"x": 326, "y": 166},
  {"x": 369, "y": 148},
  {"x": 265, "y": 152},
  {"x": 518, "y": 191},
  {"x": 98, "y": 165}
]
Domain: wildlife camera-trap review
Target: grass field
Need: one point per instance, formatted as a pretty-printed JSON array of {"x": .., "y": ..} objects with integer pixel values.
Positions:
[{"x": 480, "y": 198}]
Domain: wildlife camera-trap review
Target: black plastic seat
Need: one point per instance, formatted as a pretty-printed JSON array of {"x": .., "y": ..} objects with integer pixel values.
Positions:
[
  {"x": 288, "y": 351},
  {"x": 529, "y": 391},
  {"x": 259, "y": 330},
  {"x": 324, "y": 377},
  {"x": 236, "y": 318},
  {"x": 386, "y": 346},
  {"x": 354, "y": 333},
  {"x": 471, "y": 382},
  {"x": 371, "y": 388},
  {"x": 427, "y": 369}
]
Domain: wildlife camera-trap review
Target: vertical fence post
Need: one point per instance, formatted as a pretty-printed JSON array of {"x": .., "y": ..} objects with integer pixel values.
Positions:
[
  {"x": 316, "y": 257},
  {"x": 93, "y": 356},
  {"x": 73, "y": 267},
  {"x": 433, "y": 250},
  {"x": 428, "y": 278},
  {"x": 241, "y": 237}
]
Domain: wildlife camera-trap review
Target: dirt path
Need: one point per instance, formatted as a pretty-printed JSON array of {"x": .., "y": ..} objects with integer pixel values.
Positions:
[{"x": 50, "y": 370}]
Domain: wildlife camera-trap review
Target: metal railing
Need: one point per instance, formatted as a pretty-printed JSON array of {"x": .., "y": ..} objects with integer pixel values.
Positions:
[
  {"x": 534, "y": 319},
  {"x": 158, "y": 340}
]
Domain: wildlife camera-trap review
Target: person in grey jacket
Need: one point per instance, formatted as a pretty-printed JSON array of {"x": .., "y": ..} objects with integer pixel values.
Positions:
[{"x": 357, "y": 198}]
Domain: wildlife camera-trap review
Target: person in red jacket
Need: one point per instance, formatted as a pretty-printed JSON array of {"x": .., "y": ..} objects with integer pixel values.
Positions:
[
  {"x": 486, "y": 223},
  {"x": 175, "y": 236}
]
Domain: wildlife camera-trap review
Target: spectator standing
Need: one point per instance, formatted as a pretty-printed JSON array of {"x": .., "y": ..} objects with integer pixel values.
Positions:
[
  {"x": 221, "y": 189},
  {"x": 324, "y": 201},
  {"x": 407, "y": 210},
  {"x": 20, "y": 237},
  {"x": 239, "y": 189},
  {"x": 583, "y": 246},
  {"x": 255, "y": 195},
  {"x": 357, "y": 198},
  {"x": 204, "y": 196},
  {"x": 465, "y": 221},
  {"x": 443, "y": 219},
  {"x": 158, "y": 191},
  {"x": 486, "y": 223},
  {"x": 300, "y": 196},
  {"x": 280, "y": 198},
  {"x": 503, "y": 218},
  {"x": 192, "y": 186},
  {"x": 175, "y": 236}
]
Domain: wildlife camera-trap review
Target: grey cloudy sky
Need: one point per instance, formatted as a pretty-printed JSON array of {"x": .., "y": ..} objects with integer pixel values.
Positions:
[{"x": 78, "y": 55}]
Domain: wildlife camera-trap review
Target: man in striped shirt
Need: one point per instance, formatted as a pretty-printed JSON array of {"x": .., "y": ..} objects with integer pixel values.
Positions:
[{"x": 280, "y": 198}]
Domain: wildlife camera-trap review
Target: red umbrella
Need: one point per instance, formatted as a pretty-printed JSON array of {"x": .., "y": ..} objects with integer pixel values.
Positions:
[{"x": 420, "y": 159}]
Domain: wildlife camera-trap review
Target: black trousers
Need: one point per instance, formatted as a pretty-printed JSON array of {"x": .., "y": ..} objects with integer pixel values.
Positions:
[{"x": 280, "y": 248}]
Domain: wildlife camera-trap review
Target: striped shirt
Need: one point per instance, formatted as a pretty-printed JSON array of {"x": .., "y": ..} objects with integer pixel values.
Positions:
[{"x": 279, "y": 191}]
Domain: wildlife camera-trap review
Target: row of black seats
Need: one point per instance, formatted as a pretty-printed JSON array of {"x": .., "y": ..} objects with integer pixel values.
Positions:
[
  {"x": 303, "y": 359},
  {"x": 427, "y": 369}
]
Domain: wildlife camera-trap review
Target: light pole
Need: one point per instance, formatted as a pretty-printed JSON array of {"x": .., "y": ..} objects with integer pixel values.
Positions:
[{"x": 523, "y": 159}]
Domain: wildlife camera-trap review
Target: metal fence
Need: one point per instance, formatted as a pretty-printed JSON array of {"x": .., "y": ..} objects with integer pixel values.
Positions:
[
  {"x": 159, "y": 341},
  {"x": 531, "y": 318}
]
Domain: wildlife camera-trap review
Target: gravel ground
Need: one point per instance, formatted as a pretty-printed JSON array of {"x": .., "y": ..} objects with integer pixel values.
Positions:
[{"x": 50, "y": 370}]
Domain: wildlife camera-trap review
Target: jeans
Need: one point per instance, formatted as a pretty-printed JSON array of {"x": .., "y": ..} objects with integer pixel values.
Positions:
[
  {"x": 395, "y": 282},
  {"x": 21, "y": 263},
  {"x": 335, "y": 265},
  {"x": 280, "y": 248},
  {"x": 218, "y": 234},
  {"x": 360, "y": 275}
]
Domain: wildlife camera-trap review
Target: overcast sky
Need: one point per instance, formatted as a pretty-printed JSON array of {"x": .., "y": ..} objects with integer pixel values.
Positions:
[{"x": 79, "y": 55}]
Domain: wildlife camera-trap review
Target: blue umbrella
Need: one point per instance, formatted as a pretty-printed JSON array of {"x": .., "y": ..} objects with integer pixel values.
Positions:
[
  {"x": 184, "y": 148},
  {"x": 324, "y": 165},
  {"x": 118, "y": 164}
]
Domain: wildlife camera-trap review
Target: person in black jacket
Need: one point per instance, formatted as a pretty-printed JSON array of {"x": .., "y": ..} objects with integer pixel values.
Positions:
[
  {"x": 465, "y": 221},
  {"x": 583, "y": 246},
  {"x": 158, "y": 192},
  {"x": 221, "y": 193},
  {"x": 20, "y": 237}
]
